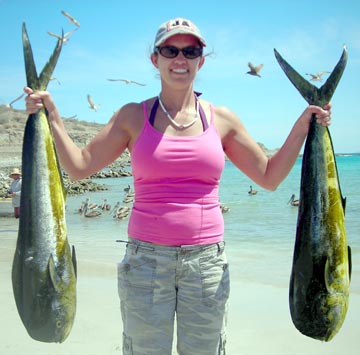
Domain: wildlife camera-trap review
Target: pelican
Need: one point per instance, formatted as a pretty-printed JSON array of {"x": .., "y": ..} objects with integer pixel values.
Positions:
[
  {"x": 251, "y": 191},
  {"x": 122, "y": 212},
  {"x": 9, "y": 105},
  {"x": 254, "y": 70},
  {"x": 92, "y": 213},
  {"x": 292, "y": 201},
  {"x": 224, "y": 208},
  {"x": 105, "y": 206},
  {"x": 128, "y": 199},
  {"x": 90, "y": 210},
  {"x": 318, "y": 76},
  {"x": 92, "y": 106},
  {"x": 115, "y": 208},
  {"x": 71, "y": 19},
  {"x": 64, "y": 38},
  {"x": 126, "y": 81}
]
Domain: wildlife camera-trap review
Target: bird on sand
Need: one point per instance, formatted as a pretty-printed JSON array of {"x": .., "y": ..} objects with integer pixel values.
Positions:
[
  {"x": 252, "y": 191},
  {"x": 91, "y": 103},
  {"x": 65, "y": 37},
  {"x": 127, "y": 81},
  {"x": 71, "y": 19},
  {"x": 254, "y": 70},
  {"x": 9, "y": 105},
  {"x": 318, "y": 76}
]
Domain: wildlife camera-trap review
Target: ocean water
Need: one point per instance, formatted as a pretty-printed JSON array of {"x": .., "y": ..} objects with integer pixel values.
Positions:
[{"x": 259, "y": 229}]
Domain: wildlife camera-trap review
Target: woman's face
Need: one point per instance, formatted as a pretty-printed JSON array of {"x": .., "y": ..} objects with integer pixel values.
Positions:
[{"x": 178, "y": 71}]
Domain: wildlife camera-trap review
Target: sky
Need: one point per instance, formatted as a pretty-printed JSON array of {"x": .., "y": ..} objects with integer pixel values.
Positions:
[{"x": 115, "y": 38}]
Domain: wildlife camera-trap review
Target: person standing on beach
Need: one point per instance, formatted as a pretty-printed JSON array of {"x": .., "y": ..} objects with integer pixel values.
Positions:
[
  {"x": 15, "y": 191},
  {"x": 175, "y": 263}
]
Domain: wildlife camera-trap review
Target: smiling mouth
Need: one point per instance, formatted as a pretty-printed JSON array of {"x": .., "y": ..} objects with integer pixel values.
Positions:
[{"x": 179, "y": 71}]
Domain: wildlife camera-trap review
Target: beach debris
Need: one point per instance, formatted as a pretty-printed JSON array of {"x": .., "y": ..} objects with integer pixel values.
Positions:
[
  {"x": 126, "y": 81},
  {"x": 65, "y": 38},
  {"x": 44, "y": 266},
  {"x": 321, "y": 269},
  {"x": 254, "y": 70},
  {"x": 318, "y": 76},
  {"x": 71, "y": 18},
  {"x": 92, "y": 106}
]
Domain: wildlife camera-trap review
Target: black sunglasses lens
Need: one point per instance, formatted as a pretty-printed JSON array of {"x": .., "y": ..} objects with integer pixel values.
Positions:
[
  {"x": 169, "y": 51},
  {"x": 192, "y": 52}
]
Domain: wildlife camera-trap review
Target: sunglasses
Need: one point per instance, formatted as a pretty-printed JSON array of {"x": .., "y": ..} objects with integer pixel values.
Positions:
[{"x": 190, "y": 52}]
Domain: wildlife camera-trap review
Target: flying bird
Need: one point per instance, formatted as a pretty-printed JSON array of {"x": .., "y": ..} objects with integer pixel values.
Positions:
[
  {"x": 64, "y": 38},
  {"x": 126, "y": 81},
  {"x": 254, "y": 70},
  {"x": 71, "y": 19},
  {"x": 55, "y": 79},
  {"x": 91, "y": 103},
  {"x": 9, "y": 105},
  {"x": 318, "y": 76}
]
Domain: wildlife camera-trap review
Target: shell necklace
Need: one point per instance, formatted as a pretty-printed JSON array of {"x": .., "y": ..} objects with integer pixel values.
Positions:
[{"x": 173, "y": 122}]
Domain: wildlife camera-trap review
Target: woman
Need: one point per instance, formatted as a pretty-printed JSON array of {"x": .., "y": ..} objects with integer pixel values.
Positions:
[{"x": 175, "y": 262}]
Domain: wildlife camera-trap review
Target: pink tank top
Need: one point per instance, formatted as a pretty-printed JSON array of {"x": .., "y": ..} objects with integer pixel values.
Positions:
[{"x": 176, "y": 182}]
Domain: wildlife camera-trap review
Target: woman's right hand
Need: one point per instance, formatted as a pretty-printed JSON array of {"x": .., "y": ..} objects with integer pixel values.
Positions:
[{"x": 35, "y": 100}]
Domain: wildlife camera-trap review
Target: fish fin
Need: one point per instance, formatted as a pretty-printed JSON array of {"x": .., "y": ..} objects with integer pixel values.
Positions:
[
  {"x": 52, "y": 272},
  {"x": 49, "y": 67},
  {"x": 328, "y": 89},
  {"x": 350, "y": 262},
  {"x": 32, "y": 79},
  {"x": 73, "y": 258},
  {"x": 309, "y": 92}
]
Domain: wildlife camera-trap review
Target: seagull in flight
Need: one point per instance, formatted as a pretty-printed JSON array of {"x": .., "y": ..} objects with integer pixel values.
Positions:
[
  {"x": 126, "y": 81},
  {"x": 9, "y": 105},
  {"x": 318, "y": 76},
  {"x": 71, "y": 19},
  {"x": 64, "y": 38},
  {"x": 91, "y": 103},
  {"x": 55, "y": 79},
  {"x": 254, "y": 70}
]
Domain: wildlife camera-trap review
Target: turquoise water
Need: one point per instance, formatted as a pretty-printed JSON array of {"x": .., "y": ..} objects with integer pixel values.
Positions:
[{"x": 259, "y": 229}]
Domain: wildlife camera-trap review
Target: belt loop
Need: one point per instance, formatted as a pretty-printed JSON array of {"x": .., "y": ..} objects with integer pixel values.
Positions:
[{"x": 219, "y": 247}]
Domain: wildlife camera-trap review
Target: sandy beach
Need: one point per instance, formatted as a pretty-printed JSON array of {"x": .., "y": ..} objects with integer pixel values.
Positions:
[{"x": 259, "y": 319}]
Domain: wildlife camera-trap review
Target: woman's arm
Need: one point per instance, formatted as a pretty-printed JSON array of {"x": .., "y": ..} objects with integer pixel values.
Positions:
[
  {"x": 246, "y": 154},
  {"x": 103, "y": 149}
]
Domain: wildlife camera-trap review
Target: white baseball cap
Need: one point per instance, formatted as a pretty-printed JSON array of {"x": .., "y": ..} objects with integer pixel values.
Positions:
[{"x": 177, "y": 26}]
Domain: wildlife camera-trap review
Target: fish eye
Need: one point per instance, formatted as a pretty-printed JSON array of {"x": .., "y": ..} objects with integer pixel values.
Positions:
[{"x": 58, "y": 324}]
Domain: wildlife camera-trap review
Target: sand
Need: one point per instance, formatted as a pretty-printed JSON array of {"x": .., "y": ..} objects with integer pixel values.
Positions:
[{"x": 259, "y": 319}]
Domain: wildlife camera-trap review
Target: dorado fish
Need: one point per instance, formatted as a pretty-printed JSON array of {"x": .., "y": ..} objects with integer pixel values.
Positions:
[
  {"x": 320, "y": 276},
  {"x": 44, "y": 266}
]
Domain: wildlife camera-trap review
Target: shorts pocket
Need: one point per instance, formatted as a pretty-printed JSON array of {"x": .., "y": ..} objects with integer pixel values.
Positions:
[
  {"x": 215, "y": 280},
  {"x": 136, "y": 275}
]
